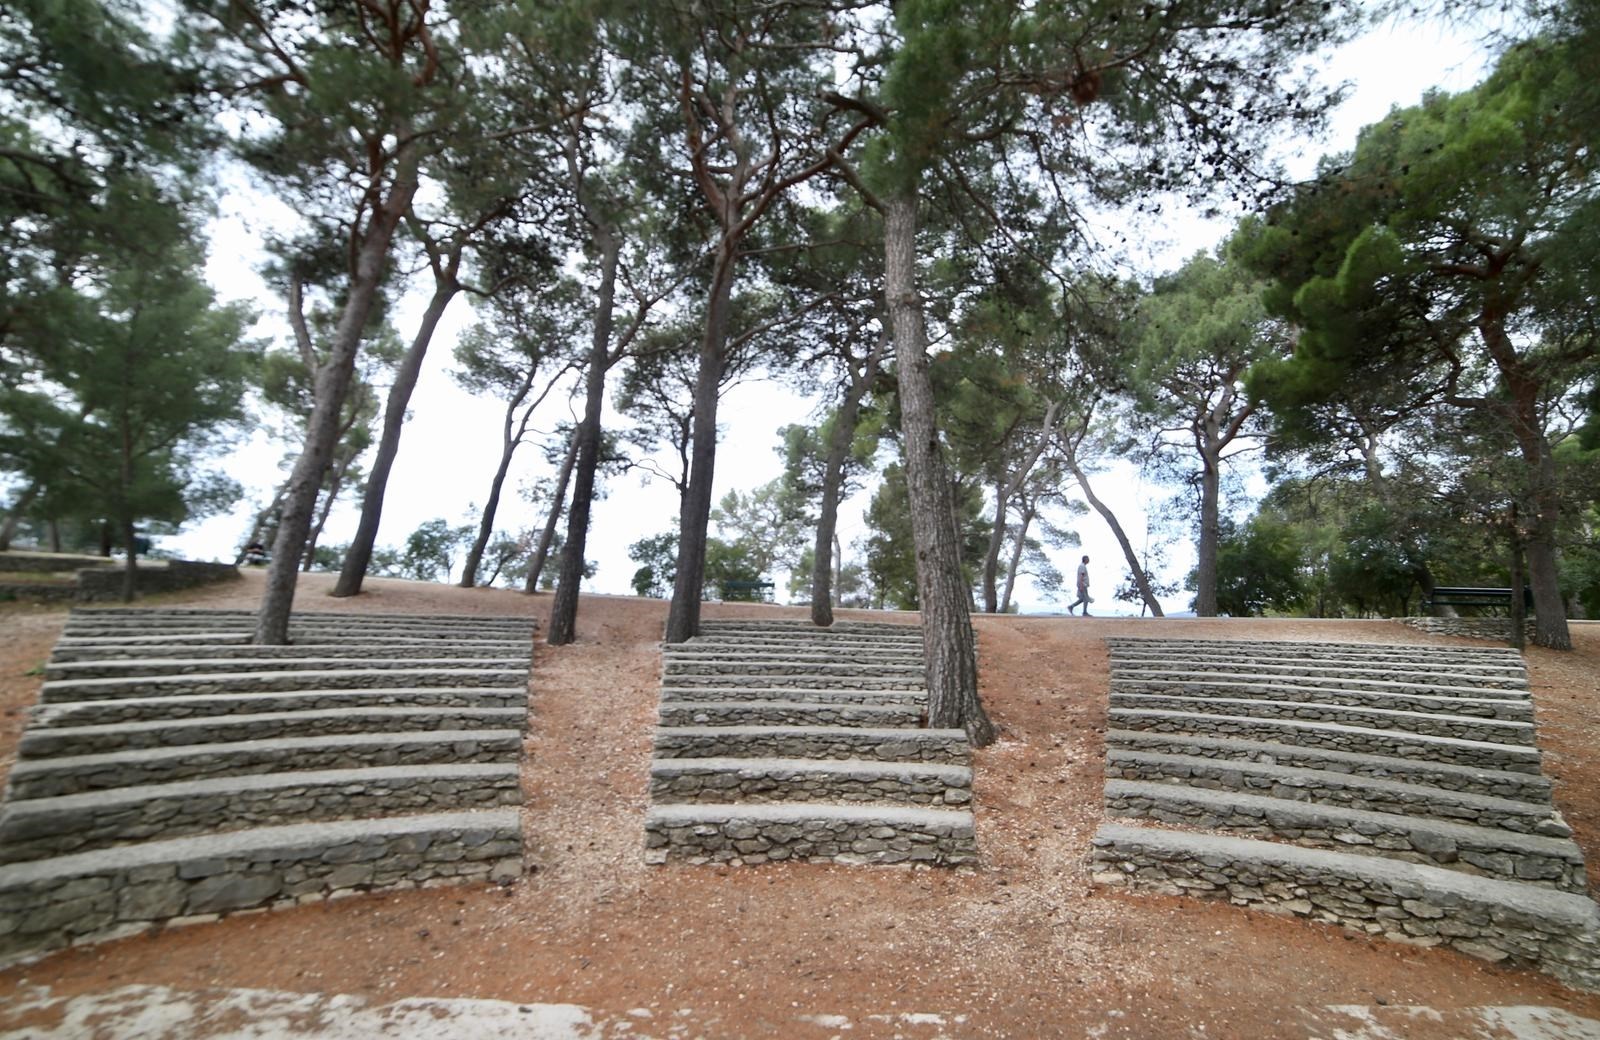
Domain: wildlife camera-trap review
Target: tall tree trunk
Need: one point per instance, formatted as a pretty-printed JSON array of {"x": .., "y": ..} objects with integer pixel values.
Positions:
[
  {"x": 683, "y": 616},
  {"x": 8, "y": 530},
  {"x": 267, "y": 518},
  {"x": 53, "y": 527},
  {"x": 359, "y": 556},
  {"x": 1141, "y": 580},
  {"x": 947, "y": 637},
  {"x": 1205, "y": 596},
  {"x": 991, "y": 555},
  {"x": 469, "y": 570},
  {"x": 548, "y": 536},
  {"x": 332, "y": 385},
  {"x": 823, "y": 556},
  {"x": 1016, "y": 555},
  {"x": 564, "y": 611}
]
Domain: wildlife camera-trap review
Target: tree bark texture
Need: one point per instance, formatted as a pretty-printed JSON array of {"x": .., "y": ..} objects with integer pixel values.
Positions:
[
  {"x": 683, "y": 616},
  {"x": 509, "y": 442},
  {"x": 1023, "y": 523},
  {"x": 359, "y": 556},
  {"x": 844, "y": 434},
  {"x": 332, "y": 386},
  {"x": 1205, "y": 595},
  {"x": 547, "y": 537},
  {"x": 564, "y": 611},
  {"x": 947, "y": 637}
]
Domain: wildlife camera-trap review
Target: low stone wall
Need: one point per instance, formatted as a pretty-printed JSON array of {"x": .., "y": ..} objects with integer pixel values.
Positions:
[
  {"x": 693, "y": 694},
  {"x": 29, "y": 592},
  {"x": 929, "y": 745},
  {"x": 777, "y": 713},
  {"x": 103, "y": 584},
  {"x": 1351, "y": 792},
  {"x": 203, "y": 682},
  {"x": 1484, "y": 702},
  {"x": 1556, "y": 932},
  {"x": 1522, "y": 786},
  {"x": 1471, "y": 850},
  {"x": 107, "y": 712},
  {"x": 46, "y": 563},
  {"x": 1395, "y": 743},
  {"x": 1497, "y": 629},
  {"x": 1487, "y": 730},
  {"x": 52, "y": 903},
  {"x": 50, "y": 778},
  {"x": 838, "y": 834},
  {"x": 1403, "y": 674},
  {"x": 801, "y": 679},
  {"x": 724, "y": 781},
  {"x": 43, "y": 827}
]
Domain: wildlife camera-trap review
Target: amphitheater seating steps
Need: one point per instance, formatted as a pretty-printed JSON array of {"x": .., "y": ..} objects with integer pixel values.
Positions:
[
  {"x": 782, "y": 741},
  {"x": 172, "y": 771},
  {"x": 1396, "y": 789}
]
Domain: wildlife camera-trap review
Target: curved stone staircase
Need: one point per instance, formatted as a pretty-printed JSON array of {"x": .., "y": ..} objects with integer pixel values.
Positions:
[
  {"x": 1394, "y": 789},
  {"x": 171, "y": 771},
  {"x": 779, "y": 740}
]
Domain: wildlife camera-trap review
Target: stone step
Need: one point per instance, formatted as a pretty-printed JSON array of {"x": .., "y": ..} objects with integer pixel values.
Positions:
[
  {"x": 1520, "y": 786},
  {"x": 151, "y": 616},
  {"x": 277, "y": 680},
  {"x": 948, "y": 746},
  {"x": 746, "y": 780},
  {"x": 170, "y": 666},
  {"x": 821, "y": 665},
  {"x": 1485, "y": 851},
  {"x": 1494, "y": 731},
  {"x": 1529, "y": 925},
  {"x": 51, "y": 903},
  {"x": 65, "y": 741},
  {"x": 42, "y": 827},
  {"x": 139, "y": 642},
  {"x": 137, "y": 709},
  {"x": 790, "y": 625},
  {"x": 764, "y": 655},
  {"x": 50, "y": 777},
  {"x": 1339, "y": 789},
  {"x": 1311, "y": 648},
  {"x": 843, "y": 679},
  {"x": 518, "y": 649},
  {"x": 690, "y": 694},
  {"x": 1499, "y": 705},
  {"x": 1253, "y": 669},
  {"x": 1362, "y": 740},
  {"x": 787, "y": 713},
  {"x": 701, "y": 833}
]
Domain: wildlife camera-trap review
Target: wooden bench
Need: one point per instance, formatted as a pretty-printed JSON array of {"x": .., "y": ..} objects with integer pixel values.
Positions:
[
  {"x": 750, "y": 590},
  {"x": 1451, "y": 596}
]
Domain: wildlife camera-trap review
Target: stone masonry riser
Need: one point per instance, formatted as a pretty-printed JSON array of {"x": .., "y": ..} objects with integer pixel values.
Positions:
[
  {"x": 797, "y": 681},
  {"x": 1479, "y": 851},
  {"x": 689, "y": 695},
  {"x": 1487, "y": 730},
  {"x": 109, "y": 892},
  {"x": 300, "y": 630},
  {"x": 495, "y": 651},
  {"x": 1312, "y": 648},
  {"x": 46, "y": 778},
  {"x": 1339, "y": 738},
  {"x": 379, "y": 661},
  {"x": 819, "y": 840},
  {"x": 49, "y": 743},
  {"x": 39, "y": 828},
  {"x": 100, "y": 713},
  {"x": 1518, "y": 709},
  {"x": 99, "y": 689},
  {"x": 1522, "y": 787},
  {"x": 787, "y": 666},
  {"x": 782, "y": 714},
  {"x": 908, "y": 746},
  {"x": 1338, "y": 789},
  {"x": 1247, "y": 671},
  {"x": 759, "y": 786}
]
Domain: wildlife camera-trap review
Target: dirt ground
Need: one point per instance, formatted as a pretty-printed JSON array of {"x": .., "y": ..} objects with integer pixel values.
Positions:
[{"x": 1022, "y": 946}]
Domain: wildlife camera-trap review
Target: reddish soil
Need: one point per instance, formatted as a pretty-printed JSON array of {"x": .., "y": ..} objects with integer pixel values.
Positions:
[{"x": 1022, "y": 946}]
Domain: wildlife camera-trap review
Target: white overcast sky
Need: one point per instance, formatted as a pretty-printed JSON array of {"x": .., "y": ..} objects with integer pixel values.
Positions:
[{"x": 451, "y": 446}]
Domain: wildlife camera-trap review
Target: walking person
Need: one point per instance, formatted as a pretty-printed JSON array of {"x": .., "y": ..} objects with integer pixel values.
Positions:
[{"x": 1083, "y": 588}]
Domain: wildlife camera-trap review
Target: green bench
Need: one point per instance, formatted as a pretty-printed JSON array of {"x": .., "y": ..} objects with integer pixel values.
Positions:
[
  {"x": 745, "y": 590},
  {"x": 1453, "y": 596}
]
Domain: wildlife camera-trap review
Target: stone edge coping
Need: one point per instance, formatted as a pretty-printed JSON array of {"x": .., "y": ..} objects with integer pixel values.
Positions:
[
  {"x": 204, "y": 722},
  {"x": 46, "y": 766},
  {"x": 1419, "y": 739},
  {"x": 195, "y": 677},
  {"x": 1291, "y": 645},
  {"x": 1462, "y": 834},
  {"x": 45, "y": 715},
  {"x": 250, "y": 615},
  {"x": 861, "y": 732},
  {"x": 1568, "y": 909},
  {"x": 1329, "y": 683},
  {"x": 684, "y": 814},
  {"x": 1275, "y": 693},
  {"x": 827, "y": 665},
  {"x": 677, "y": 707},
  {"x": 1508, "y": 726},
  {"x": 251, "y": 841},
  {"x": 1314, "y": 777},
  {"x": 230, "y": 664},
  {"x": 229, "y": 651},
  {"x": 678, "y": 693},
  {"x": 1124, "y": 739},
  {"x": 1341, "y": 668},
  {"x": 960, "y": 776},
  {"x": 224, "y": 786}
]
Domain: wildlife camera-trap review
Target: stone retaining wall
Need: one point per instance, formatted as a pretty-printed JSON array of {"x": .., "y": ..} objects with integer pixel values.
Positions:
[
  {"x": 692, "y": 694},
  {"x": 1498, "y": 629},
  {"x": 782, "y": 713},
  {"x": 1556, "y": 932},
  {"x": 933, "y": 745},
  {"x": 105, "y": 712},
  {"x": 1515, "y": 709},
  {"x": 203, "y": 682},
  {"x": 757, "y": 834},
  {"x": 42, "y": 827},
  {"x": 1454, "y": 675},
  {"x": 1488, "y": 730},
  {"x": 759, "y": 781},
  {"x": 52, "y": 903}
]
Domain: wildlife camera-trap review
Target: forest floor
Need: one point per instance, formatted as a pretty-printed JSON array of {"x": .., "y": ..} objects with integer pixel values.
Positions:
[{"x": 1022, "y": 946}]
